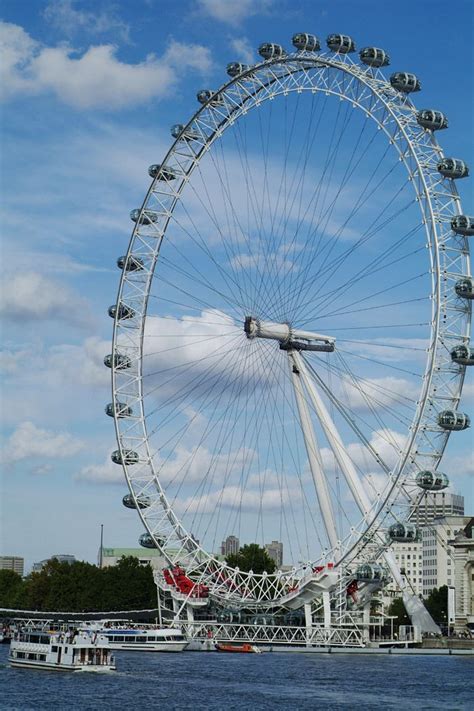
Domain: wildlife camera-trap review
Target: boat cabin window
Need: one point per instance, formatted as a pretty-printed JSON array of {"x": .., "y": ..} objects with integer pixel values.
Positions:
[
  {"x": 54, "y": 648},
  {"x": 151, "y": 639}
]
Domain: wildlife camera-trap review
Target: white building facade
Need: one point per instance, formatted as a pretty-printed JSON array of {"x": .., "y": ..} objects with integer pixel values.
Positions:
[
  {"x": 438, "y": 553},
  {"x": 463, "y": 553}
]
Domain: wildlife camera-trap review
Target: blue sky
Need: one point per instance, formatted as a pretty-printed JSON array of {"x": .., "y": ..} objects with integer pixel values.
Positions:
[{"x": 90, "y": 90}]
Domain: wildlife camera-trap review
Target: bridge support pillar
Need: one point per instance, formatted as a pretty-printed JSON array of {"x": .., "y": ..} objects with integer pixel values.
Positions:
[
  {"x": 327, "y": 609},
  {"x": 308, "y": 617}
]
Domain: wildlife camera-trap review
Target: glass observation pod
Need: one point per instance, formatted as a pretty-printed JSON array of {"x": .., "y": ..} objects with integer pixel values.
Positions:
[
  {"x": 132, "y": 264},
  {"x": 161, "y": 172},
  {"x": 374, "y": 57},
  {"x": 403, "y": 81},
  {"x": 178, "y": 130},
  {"x": 462, "y": 354},
  {"x": 403, "y": 532},
  {"x": 453, "y": 420},
  {"x": 142, "y": 502},
  {"x": 268, "y": 50},
  {"x": 369, "y": 572},
  {"x": 121, "y": 409},
  {"x": 206, "y": 95},
  {"x": 453, "y": 168},
  {"x": 124, "y": 312},
  {"x": 304, "y": 42},
  {"x": 340, "y": 43},
  {"x": 464, "y": 288},
  {"x": 432, "y": 481},
  {"x": 118, "y": 360},
  {"x": 147, "y": 541},
  {"x": 129, "y": 457},
  {"x": 463, "y": 225},
  {"x": 146, "y": 218},
  {"x": 434, "y": 120},
  {"x": 236, "y": 68}
]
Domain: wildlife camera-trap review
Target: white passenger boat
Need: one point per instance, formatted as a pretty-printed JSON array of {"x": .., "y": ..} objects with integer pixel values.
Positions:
[
  {"x": 146, "y": 640},
  {"x": 70, "y": 651}
]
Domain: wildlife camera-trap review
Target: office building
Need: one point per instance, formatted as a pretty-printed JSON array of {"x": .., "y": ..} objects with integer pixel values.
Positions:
[
  {"x": 275, "y": 551},
  {"x": 61, "y": 558},
  {"x": 153, "y": 557},
  {"x": 12, "y": 562},
  {"x": 438, "y": 553},
  {"x": 437, "y": 504},
  {"x": 230, "y": 546}
]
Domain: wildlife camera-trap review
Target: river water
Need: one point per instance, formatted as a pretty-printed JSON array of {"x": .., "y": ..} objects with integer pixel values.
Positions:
[{"x": 199, "y": 680}]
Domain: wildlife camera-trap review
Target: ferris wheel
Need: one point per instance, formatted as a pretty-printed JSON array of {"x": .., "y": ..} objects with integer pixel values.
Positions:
[{"x": 291, "y": 329}]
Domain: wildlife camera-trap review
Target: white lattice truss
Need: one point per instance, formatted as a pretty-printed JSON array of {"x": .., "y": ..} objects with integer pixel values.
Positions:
[{"x": 368, "y": 90}]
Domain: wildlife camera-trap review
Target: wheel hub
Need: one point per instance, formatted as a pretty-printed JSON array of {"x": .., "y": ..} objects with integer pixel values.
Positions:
[{"x": 288, "y": 337}]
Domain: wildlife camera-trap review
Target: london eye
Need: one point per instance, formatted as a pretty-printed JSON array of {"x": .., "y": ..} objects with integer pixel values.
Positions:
[{"x": 291, "y": 329}]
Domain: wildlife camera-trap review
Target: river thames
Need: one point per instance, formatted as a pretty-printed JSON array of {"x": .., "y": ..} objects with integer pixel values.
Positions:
[{"x": 232, "y": 681}]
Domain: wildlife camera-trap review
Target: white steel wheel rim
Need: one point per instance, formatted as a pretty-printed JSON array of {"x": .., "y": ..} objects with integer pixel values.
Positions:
[{"x": 368, "y": 90}]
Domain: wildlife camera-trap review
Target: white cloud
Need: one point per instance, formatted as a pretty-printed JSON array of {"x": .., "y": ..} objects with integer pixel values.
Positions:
[
  {"x": 375, "y": 391},
  {"x": 29, "y": 441},
  {"x": 64, "y": 16},
  {"x": 17, "y": 49},
  {"x": 32, "y": 297},
  {"x": 233, "y": 13},
  {"x": 458, "y": 465},
  {"x": 235, "y": 497},
  {"x": 387, "y": 443},
  {"x": 106, "y": 473},
  {"x": 58, "y": 375},
  {"x": 96, "y": 79},
  {"x": 244, "y": 50}
]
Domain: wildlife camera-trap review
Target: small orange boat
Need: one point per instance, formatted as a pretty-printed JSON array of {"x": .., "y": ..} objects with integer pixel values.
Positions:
[{"x": 241, "y": 648}]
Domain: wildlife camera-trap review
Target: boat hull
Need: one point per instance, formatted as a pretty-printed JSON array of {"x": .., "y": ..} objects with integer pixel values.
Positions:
[
  {"x": 149, "y": 646},
  {"x": 238, "y": 648},
  {"x": 50, "y": 666}
]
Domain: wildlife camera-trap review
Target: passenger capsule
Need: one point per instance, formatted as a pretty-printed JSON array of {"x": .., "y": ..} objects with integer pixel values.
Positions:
[
  {"x": 369, "y": 573},
  {"x": 465, "y": 288},
  {"x": 341, "y": 43},
  {"x": 304, "y": 42},
  {"x": 403, "y": 532},
  {"x": 236, "y": 68},
  {"x": 268, "y": 50},
  {"x": 402, "y": 81},
  {"x": 147, "y": 541},
  {"x": 124, "y": 311},
  {"x": 463, "y": 225},
  {"x": 453, "y": 168},
  {"x": 434, "y": 120},
  {"x": 118, "y": 359},
  {"x": 453, "y": 421},
  {"x": 121, "y": 409},
  {"x": 129, "y": 457},
  {"x": 206, "y": 95},
  {"x": 464, "y": 355},
  {"x": 142, "y": 502},
  {"x": 132, "y": 264},
  {"x": 147, "y": 217},
  {"x": 161, "y": 172},
  {"x": 178, "y": 130},
  {"x": 432, "y": 481},
  {"x": 374, "y": 57}
]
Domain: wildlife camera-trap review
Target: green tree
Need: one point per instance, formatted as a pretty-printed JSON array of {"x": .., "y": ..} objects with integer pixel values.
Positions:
[
  {"x": 10, "y": 588},
  {"x": 397, "y": 610},
  {"x": 252, "y": 557},
  {"x": 82, "y": 587},
  {"x": 437, "y": 604}
]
